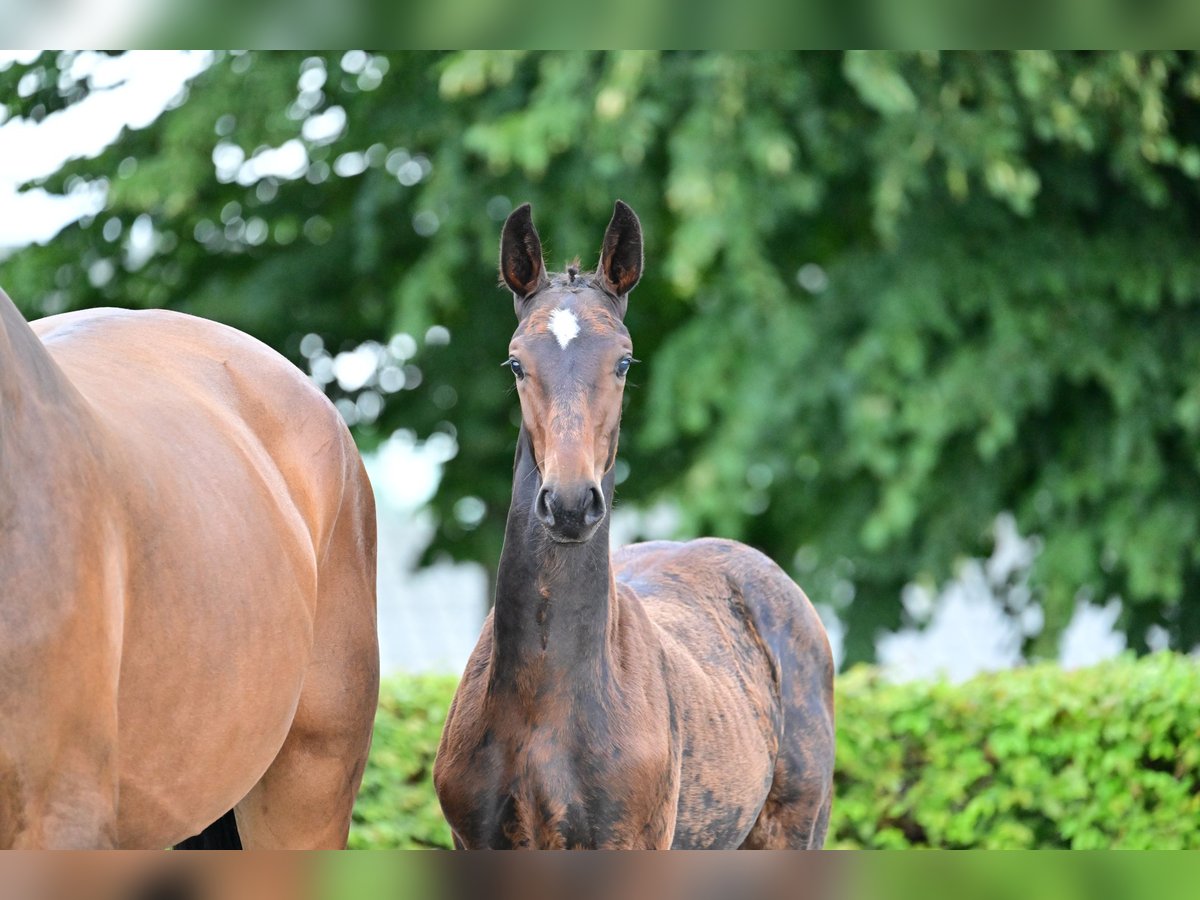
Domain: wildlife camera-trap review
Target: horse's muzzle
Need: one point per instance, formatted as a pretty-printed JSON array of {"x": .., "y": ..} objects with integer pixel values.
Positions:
[{"x": 572, "y": 513}]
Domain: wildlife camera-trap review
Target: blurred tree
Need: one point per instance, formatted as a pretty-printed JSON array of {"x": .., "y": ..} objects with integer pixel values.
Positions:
[{"x": 888, "y": 296}]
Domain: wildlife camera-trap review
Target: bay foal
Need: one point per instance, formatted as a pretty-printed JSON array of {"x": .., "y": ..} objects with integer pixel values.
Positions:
[{"x": 672, "y": 695}]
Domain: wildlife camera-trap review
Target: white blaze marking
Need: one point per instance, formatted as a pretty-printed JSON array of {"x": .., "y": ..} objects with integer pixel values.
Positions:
[{"x": 564, "y": 325}]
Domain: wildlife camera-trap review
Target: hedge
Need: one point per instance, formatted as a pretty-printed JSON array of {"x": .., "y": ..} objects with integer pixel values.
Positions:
[
  {"x": 1037, "y": 757},
  {"x": 397, "y": 806}
]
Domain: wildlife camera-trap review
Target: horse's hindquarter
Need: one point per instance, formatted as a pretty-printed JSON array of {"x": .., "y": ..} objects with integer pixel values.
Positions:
[
  {"x": 227, "y": 473},
  {"x": 751, "y": 672}
]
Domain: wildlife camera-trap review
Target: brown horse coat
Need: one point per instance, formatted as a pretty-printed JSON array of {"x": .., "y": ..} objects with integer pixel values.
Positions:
[
  {"x": 672, "y": 695},
  {"x": 187, "y": 588}
]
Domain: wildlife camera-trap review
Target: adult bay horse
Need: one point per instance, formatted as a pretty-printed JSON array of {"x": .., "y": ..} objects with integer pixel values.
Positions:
[
  {"x": 187, "y": 589},
  {"x": 672, "y": 695}
]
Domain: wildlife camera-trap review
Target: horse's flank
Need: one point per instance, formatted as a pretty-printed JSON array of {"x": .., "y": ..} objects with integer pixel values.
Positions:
[{"x": 187, "y": 573}]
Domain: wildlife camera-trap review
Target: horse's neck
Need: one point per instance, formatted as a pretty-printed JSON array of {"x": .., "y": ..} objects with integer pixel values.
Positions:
[{"x": 556, "y": 605}]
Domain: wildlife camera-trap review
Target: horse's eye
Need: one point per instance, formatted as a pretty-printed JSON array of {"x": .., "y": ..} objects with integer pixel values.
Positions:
[
  {"x": 623, "y": 366},
  {"x": 515, "y": 364}
]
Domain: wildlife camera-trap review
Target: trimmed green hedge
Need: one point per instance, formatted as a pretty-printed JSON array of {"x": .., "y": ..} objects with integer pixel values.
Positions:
[
  {"x": 1101, "y": 757},
  {"x": 397, "y": 807}
]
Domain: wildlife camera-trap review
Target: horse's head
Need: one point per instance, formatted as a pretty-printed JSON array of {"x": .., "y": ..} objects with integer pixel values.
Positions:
[{"x": 569, "y": 355}]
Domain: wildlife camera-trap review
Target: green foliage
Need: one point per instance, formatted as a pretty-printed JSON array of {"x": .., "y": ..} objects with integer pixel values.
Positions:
[
  {"x": 888, "y": 294},
  {"x": 1106, "y": 757},
  {"x": 397, "y": 807},
  {"x": 1035, "y": 758}
]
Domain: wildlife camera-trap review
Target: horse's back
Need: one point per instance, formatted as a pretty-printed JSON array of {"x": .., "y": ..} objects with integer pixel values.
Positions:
[
  {"x": 176, "y": 370},
  {"x": 725, "y": 581},
  {"x": 232, "y": 475},
  {"x": 742, "y": 637},
  {"x": 194, "y": 403},
  {"x": 208, "y": 431}
]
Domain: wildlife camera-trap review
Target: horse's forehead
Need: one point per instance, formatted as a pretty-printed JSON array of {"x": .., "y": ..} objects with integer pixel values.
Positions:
[{"x": 568, "y": 316}]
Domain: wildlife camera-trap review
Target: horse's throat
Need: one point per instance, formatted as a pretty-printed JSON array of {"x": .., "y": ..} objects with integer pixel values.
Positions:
[
  {"x": 554, "y": 602},
  {"x": 553, "y": 608}
]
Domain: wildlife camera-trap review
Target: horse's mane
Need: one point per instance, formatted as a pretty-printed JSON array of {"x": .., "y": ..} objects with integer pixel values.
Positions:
[{"x": 572, "y": 275}]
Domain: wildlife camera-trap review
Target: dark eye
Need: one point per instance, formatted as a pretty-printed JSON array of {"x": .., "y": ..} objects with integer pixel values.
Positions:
[
  {"x": 623, "y": 366},
  {"x": 515, "y": 364}
]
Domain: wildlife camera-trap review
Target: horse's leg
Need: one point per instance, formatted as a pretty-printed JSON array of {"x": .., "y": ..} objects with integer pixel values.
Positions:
[
  {"x": 58, "y": 776},
  {"x": 796, "y": 812},
  {"x": 306, "y": 796},
  {"x": 57, "y": 811},
  {"x": 75, "y": 811},
  {"x": 795, "y": 815}
]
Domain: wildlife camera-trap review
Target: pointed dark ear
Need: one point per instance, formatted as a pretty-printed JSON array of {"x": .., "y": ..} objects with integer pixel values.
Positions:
[
  {"x": 621, "y": 253},
  {"x": 521, "y": 264}
]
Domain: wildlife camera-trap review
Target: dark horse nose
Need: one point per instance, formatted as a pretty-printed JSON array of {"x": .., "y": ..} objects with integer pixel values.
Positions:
[{"x": 572, "y": 512}]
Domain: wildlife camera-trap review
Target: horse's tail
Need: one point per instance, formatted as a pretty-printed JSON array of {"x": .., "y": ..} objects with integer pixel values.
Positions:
[{"x": 220, "y": 835}]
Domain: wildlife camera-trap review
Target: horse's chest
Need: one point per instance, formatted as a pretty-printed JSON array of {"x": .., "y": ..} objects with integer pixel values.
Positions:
[{"x": 563, "y": 797}]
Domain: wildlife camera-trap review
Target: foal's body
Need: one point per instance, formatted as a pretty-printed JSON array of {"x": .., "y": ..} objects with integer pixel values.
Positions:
[
  {"x": 675, "y": 695},
  {"x": 186, "y": 588},
  {"x": 677, "y": 712},
  {"x": 753, "y": 679}
]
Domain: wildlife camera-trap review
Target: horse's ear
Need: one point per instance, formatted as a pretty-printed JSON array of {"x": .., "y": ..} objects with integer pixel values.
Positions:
[
  {"x": 621, "y": 253},
  {"x": 521, "y": 264}
]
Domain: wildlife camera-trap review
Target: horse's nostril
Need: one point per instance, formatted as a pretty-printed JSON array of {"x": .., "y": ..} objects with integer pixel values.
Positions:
[
  {"x": 542, "y": 507},
  {"x": 595, "y": 506},
  {"x": 572, "y": 512}
]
